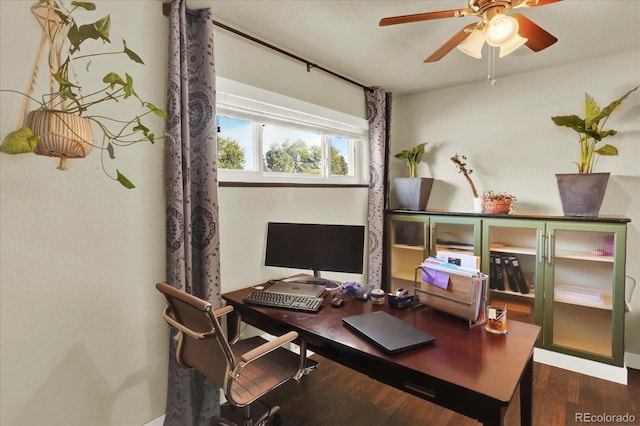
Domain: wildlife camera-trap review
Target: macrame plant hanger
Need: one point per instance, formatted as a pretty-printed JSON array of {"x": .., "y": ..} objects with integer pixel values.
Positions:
[{"x": 62, "y": 134}]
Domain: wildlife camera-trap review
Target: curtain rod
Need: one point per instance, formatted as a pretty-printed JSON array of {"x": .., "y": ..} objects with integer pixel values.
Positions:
[{"x": 166, "y": 9}]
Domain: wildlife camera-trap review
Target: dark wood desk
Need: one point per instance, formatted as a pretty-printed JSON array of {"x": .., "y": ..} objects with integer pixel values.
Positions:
[{"x": 472, "y": 372}]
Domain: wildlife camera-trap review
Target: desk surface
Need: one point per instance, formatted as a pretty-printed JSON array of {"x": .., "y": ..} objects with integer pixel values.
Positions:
[{"x": 483, "y": 363}]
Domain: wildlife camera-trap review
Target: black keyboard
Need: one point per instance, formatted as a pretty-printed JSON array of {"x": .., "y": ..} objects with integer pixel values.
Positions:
[{"x": 283, "y": 300}]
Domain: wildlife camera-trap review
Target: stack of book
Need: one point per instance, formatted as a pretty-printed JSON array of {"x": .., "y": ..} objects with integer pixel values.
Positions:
[{"x": 506, "y": 274}]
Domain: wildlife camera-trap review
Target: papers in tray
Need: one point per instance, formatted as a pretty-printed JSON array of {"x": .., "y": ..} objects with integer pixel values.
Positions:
[{"x": 454, "y": 289}]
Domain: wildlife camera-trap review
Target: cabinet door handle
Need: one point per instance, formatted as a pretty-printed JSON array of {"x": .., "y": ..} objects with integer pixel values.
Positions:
[
  {"x": 540, "y": 246},
  {"x": 432, "y": 230},
  {"x": 549, "y": 236}
]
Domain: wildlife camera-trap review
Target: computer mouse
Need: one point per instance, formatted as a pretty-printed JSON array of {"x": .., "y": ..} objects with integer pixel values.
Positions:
[{"x": 337, "y": 301}]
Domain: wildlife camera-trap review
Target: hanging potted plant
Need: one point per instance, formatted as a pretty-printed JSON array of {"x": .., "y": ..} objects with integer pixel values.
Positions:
[
  {"x": 63, "y": 123},
  {"x": 412, "y": 193},
  {"x": 459, "y": 161},
  {"x": 582, "y": 193}
]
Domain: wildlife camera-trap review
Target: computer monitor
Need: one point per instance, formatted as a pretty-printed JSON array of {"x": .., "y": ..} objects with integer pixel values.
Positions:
[{"x": 317, "y": 247}]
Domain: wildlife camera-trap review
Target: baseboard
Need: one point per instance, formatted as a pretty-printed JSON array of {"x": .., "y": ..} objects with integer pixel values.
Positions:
[
  {"x": 632, "y": 360},
  {"x": 581, "y": 365},
  {"x": 156, "y": 422}
]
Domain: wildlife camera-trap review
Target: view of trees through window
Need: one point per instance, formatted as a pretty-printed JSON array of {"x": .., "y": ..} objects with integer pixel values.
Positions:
[{"x": 285, "y": 149}]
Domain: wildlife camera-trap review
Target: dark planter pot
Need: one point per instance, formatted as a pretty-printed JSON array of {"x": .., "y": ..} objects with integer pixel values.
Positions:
[
  {"x": 412, "y": 193},
  {"x": 582, "y": 193}
]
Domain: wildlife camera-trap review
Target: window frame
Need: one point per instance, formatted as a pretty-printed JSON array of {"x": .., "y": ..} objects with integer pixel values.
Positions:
[{"x": 240, "y": 101}]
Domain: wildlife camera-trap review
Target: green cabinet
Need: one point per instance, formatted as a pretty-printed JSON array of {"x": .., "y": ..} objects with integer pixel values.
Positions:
[
  {"x": 413, "y": 237},
  {"x": 571, "y": 270},
  {"x": 574, "y": 273},
  {"x": 584, "y": 290},
  {"x": 505, "y": 240}
]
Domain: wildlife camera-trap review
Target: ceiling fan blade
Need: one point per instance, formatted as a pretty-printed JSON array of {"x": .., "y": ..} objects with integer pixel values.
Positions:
[
  {"x": 404, "y": 19},
  {"x": 458, "y": 38},
  {"x": 536, "y": 3},
  {"x": 531, "y": 3},
  {"x": 538, "y": 38}
]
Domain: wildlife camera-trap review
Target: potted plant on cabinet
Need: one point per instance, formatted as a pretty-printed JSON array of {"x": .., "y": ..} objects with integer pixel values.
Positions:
[
  {"x": 412, "y": 193},
  {"x": 62, "y": 126},
  {"x": 459, "y": 161},
  {"x": 582, "y": 193},
  {"x": 497, "y": 202}
]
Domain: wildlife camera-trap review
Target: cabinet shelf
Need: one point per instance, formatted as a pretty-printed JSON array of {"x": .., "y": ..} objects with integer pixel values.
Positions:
[
  {"x": 589, "y": 257},
  {"x": 579, "y": 296},
  {"x": 530, "y": 295},
  {"x": 407, "y": 247},
  {"x": 500, "y": 248}
]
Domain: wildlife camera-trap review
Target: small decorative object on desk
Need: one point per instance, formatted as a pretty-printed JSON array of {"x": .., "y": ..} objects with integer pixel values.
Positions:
[
  {"x": 377, "y": 296},
  {"x": 401, "y": 298},
  {"x": 493, "y": 202},
  {"x": 496, "y": 319},
  {"x": 357, "y": 290}
]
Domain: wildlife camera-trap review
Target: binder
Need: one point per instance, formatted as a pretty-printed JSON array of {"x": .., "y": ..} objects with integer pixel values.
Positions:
[
  {"x": 519, "y": 275},
  {"x": 510, "y": 273},
  {"x": 492, "y": 272},
  {"x": 499, "y": 273},
  {"x": 465, "y": 295}
]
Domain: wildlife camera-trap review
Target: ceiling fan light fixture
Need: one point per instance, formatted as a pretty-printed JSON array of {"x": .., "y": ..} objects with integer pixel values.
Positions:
[
  {"x": 516, "y": 42},
  {"x": 501, "y": 30},
  {"x": 473, "y": 44}
]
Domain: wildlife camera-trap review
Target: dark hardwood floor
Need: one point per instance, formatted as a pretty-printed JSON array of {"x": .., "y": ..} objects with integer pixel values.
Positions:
[{"x": 336, "y": 395}]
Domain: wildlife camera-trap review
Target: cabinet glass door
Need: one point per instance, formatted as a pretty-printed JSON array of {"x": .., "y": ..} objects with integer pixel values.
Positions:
[
  {"x": 456, "y": 234},
  {"x": 583, "y": 298},
  {"x": 512, "y": 257},
  {"x": 407, "y": 249}
]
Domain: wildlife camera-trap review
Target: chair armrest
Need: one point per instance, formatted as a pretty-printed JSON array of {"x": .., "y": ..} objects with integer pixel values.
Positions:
[
  {"x": 267, "y": 347},
  {"x": 224, "y": 310}
]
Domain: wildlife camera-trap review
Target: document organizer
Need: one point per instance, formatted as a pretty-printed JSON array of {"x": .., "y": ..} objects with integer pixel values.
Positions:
[{"x": 465, "y": 296}]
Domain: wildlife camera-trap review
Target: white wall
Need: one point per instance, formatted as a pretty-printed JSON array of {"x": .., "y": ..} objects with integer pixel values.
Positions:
[
  {"x": 513, "y": 146},
  {"x": 82, "y": 339},
  {"x": 245, "y": 212}
]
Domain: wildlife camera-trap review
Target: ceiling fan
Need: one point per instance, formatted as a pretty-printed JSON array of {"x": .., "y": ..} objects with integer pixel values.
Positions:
[{"x": 497, "y": 27}]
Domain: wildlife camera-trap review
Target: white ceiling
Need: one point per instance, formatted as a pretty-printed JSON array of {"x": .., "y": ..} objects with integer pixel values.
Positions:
[{"x": 344, "y": 36}]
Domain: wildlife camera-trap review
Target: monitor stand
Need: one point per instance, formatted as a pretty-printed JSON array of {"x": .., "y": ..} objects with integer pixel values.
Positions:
[{"x": 310, "y": 279}]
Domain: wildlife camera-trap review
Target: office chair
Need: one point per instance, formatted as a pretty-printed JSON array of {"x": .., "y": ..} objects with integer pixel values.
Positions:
[{"x": 245, "y": 369}]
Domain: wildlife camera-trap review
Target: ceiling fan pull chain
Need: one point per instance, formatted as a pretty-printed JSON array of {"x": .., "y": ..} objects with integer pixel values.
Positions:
[{"x": 491, "y": 74}]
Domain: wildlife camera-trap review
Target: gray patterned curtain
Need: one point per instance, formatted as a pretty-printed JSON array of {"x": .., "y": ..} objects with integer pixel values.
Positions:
[
  {"x": 193, "y": 257},
  {"x": 379, "y": 116}
]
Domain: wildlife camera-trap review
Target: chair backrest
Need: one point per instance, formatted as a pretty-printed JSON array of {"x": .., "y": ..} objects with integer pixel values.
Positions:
[{"x": 201, "y": 343}]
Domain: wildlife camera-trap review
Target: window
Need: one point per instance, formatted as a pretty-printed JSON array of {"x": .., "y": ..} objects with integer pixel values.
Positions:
[{"x": 259, "y": 142}]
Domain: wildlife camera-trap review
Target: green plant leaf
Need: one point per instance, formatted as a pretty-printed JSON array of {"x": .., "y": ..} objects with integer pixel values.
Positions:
[
  {"x": 128, "y": 87},
  {"x": 141, "y": 127},
  {"x": 99, "y": 30},
  {"x": 592, "y": 112},
  {"x": 20, "y": 141},
  {"x": 84, "y": 5},
  {"x": 572, "y": 121},
  {"x": 608, "y": 110},
  {"x": 124, "y": 181},
  {"x": 131, "y": 54},
  {"x": 607, "y": 150},
  {"x": 112, "y": 79},
  {"x": 157, "y": 111}
]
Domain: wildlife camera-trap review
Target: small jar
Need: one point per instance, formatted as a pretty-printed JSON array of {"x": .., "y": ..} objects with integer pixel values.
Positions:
[{"x": 377, "y": 296}]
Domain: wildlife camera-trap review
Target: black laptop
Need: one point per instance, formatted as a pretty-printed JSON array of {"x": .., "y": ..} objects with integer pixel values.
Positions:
[{"x": 388, "y": 332}]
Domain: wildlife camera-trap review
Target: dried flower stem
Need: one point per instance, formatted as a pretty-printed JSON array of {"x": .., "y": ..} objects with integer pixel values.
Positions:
[{"x": 462, "y": 168}]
